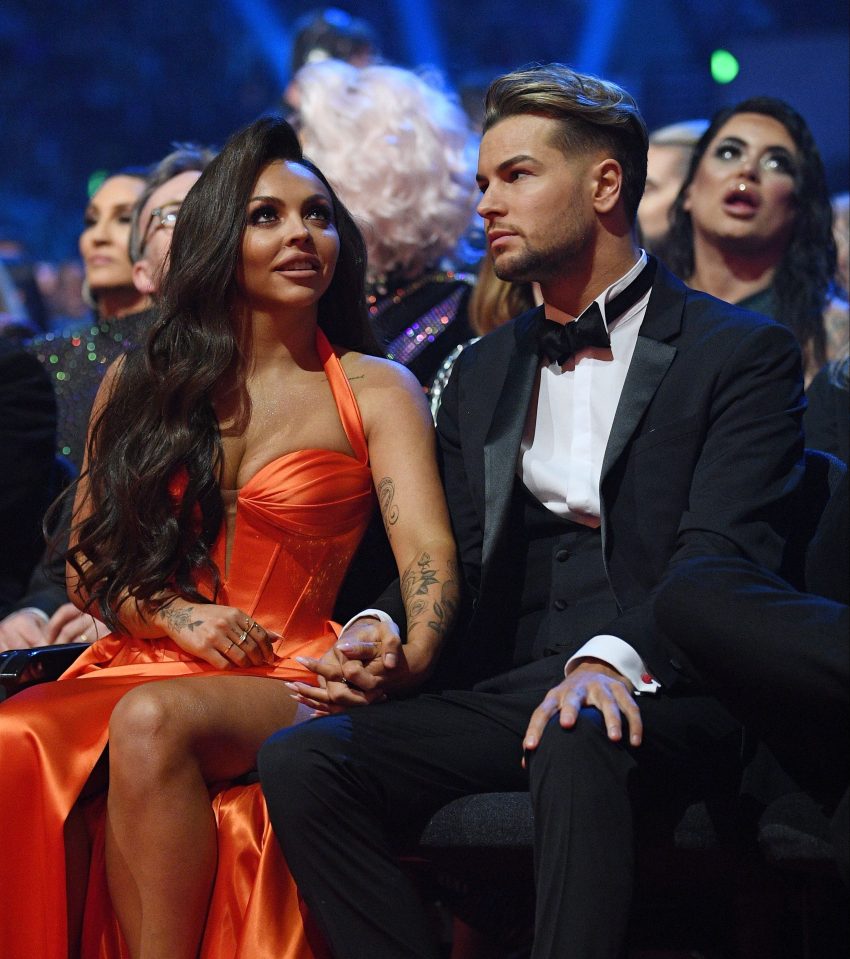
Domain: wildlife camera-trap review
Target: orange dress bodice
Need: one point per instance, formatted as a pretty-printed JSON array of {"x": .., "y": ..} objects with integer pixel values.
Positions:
[{"x": 298, "y": 522}]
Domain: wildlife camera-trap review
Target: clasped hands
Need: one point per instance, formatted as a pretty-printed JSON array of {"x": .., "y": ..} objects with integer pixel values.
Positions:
[{"x": 366, "y": 663}]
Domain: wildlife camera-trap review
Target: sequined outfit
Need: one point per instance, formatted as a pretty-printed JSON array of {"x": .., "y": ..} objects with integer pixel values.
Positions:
[
  {"x": 420, "y": 321},
  {"x": 76, "y": 357}
]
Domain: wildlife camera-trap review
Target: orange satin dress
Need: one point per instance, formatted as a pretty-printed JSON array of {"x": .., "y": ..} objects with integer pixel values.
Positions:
[{"x": 298, "y": 522}]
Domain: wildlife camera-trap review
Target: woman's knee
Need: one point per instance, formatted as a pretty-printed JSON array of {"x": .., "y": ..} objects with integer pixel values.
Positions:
[{"x": 148, "y": 731}]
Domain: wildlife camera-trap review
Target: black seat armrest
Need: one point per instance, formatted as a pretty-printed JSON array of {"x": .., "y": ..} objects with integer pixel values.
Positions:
[{"x": 25, "y": 667}]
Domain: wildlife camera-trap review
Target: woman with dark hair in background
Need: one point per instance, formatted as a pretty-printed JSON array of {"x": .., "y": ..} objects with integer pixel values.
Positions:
[
  {"x": 752, "y": 224},
  {"x": 231, "y": 468}
]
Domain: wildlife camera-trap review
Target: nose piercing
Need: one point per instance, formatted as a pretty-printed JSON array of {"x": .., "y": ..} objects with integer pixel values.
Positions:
[{"x": 742, "y": 187}]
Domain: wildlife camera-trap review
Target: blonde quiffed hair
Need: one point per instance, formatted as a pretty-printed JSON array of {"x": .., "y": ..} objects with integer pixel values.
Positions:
[{"x": 399, "y": 152}]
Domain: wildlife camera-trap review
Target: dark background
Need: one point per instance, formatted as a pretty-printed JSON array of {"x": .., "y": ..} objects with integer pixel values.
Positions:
[{"x": 93, "y": 85}]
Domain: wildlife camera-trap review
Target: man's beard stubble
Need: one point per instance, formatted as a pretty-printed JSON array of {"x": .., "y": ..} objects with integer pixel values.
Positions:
[{"x": 543, "y": 264}]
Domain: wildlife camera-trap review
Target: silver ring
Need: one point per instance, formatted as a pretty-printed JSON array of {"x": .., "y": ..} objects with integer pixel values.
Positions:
[{"x": 242, "y": 637}]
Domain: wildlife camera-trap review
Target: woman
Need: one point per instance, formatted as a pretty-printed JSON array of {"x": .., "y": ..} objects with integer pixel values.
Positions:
[
  {"x": 231, "y": 472},
  {"x": 399, "y": 151},
  {"x": 77, "y": 355},
  {"x": 752, "y": 224}
]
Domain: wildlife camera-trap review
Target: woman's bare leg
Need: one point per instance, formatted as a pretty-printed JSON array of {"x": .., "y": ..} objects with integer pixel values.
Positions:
[{"x": 168, "y": 740}]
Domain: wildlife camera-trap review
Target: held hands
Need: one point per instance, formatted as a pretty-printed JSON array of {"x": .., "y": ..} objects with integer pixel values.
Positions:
[
  {"x": 26, "y": 629},
  {"x": 367, "y": 662},
  {"x": 591, "y": 683},
  {"x": 223, "y": 636}
]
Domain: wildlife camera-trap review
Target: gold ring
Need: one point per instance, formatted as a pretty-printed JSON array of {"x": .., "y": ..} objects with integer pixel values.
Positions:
[
  {"x": 248, "y": 622},
  {"x": 232, "y": 644},
  {"x": 83, "y": 638},
  {"x": 253, "y": 624}
]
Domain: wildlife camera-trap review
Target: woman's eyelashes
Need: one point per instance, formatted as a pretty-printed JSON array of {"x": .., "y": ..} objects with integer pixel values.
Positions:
[
  {"x": 772, "y": 161},
  {"x": 263, "y": 214},
  {"x": 267, "y": 214},
  {"x": 320, "y": 211}
]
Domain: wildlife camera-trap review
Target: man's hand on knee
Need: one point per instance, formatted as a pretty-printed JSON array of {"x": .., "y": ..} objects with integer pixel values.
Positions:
[{"x": 591, "y": 683}]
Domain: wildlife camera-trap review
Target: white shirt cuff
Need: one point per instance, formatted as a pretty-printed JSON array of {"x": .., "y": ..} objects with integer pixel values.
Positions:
[
  {"x": 617, "y": 653},
  {"x": 371, "y": 614}
]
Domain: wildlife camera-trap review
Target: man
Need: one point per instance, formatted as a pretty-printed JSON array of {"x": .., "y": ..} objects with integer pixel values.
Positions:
[
  {"x": 44, "y": 617},
  {"x": 660, "y": 424},
  {"x": 155, "y": 213},
  {"x": 670, "y": 151}
]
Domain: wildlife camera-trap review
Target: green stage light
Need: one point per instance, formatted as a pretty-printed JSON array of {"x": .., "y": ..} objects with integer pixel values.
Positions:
[{"x": 724, "y": 66}]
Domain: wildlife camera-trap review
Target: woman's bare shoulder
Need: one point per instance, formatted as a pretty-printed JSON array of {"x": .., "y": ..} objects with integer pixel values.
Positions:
[{"x": 381, "y": 385}]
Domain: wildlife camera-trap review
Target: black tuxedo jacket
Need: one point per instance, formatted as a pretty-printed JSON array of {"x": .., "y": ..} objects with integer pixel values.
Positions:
[{"x": 703, "y": 457}]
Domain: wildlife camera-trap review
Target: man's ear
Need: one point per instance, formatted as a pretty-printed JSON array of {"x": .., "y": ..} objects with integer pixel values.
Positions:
[
  {"x": 143, "y": 277},
  {"x": 608, "y": 180}
]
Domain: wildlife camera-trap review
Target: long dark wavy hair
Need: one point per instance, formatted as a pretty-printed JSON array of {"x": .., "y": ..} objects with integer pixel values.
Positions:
[
  {"x": 155, "y": 453},
  {"x": 802, "y": 280}
]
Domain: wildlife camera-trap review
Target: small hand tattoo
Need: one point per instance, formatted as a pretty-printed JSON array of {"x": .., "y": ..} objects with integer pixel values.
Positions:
[{"x": 181, "y": 618}]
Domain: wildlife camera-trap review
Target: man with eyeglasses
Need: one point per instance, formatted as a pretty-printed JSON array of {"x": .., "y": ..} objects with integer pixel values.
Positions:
[{"x": 156, "y": 212}]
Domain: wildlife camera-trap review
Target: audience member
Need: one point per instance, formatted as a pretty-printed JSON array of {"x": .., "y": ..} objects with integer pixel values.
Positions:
[
  {"x": 27, "y": 442},
  {"x": 43, "y": 616},
  {"x": 230, "y": 479},
  {"x": 753, "y": 225},
  {"x": 156, "y": 210},
  {"x": 329, "y": 34},
  {"x": 661, "y": 424},
  {"x": 398, "y": 150},
  {"x": 777, "y": 657},
  {"x": 667, "y": 162},
  {"x": 76, "y": 357}
]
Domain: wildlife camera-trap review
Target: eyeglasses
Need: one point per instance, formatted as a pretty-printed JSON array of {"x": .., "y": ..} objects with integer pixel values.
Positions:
[{"x": 162, "y": 218}]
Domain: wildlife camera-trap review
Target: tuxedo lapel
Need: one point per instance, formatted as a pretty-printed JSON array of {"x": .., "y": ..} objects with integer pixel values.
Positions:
[
  {"x": 504, "y": 436},
  {"x": 651, "y": 360}
]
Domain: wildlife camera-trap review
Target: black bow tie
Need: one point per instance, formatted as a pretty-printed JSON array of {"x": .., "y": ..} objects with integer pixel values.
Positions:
[{"x": 559, "y": 341}]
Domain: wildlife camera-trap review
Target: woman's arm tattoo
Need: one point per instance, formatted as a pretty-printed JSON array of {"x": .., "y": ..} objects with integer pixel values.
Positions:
[{"x": 386, "y": 497}]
